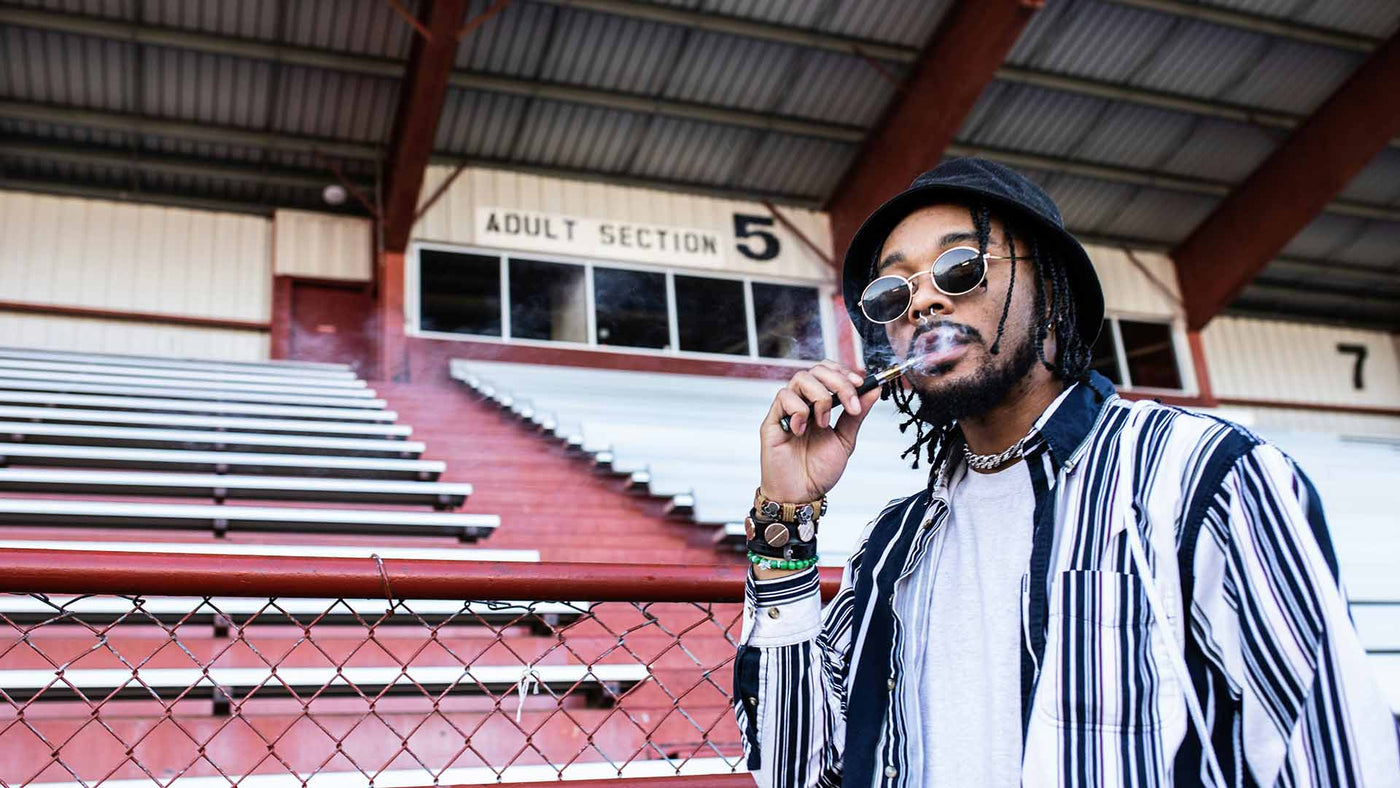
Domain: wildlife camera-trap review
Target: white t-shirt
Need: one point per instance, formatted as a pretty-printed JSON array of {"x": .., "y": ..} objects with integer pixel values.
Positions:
[{"x": 970, "y": 685}]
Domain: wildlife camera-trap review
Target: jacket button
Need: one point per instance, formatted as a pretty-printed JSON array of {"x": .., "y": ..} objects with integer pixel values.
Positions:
[
  {"x": 890, "y": 684},
  {"x": 890, "y": 771},
  {"x": 753, "y": 701},
  {"x": 928, "y": 523},
  {"x": 773, "y": 612}
]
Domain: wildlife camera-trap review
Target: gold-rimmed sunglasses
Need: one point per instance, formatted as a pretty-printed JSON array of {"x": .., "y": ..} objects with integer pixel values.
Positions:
[{"x": 956, "y": 272}]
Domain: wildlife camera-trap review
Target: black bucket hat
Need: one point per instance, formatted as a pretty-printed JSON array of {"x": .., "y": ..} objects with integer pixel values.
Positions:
[{"x": 1008, "y": 194}]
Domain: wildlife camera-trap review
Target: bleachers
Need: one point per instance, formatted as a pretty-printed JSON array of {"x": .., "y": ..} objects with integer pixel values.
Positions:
[
  {"x": 141, "y": 437},
  {"x": 143, "y": 403},
  {"x": 222, "y": 487},
  {"x": 175, "y": 421}
]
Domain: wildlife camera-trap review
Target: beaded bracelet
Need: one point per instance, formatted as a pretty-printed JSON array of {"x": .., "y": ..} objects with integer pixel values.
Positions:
[{"x": 764, "y": 562}]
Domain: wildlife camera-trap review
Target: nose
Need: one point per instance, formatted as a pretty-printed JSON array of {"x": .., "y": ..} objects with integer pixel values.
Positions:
[{"x": 927, "y": 300}]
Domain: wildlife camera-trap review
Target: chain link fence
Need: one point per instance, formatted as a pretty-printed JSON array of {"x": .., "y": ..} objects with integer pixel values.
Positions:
[{"x": 113, "y": 673}]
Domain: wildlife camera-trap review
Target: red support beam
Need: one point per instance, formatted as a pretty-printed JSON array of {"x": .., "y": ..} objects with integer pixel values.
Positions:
[
  {"x": 1255, "y": 221},
  {"x": 421, "y": 97},
  {"x": 962, "y": 58}
]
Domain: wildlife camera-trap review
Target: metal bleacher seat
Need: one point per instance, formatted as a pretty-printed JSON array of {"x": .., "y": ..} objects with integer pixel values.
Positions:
[
  {"x": 285, "y": 550},
  {"x": 121, "y": 372},
  {"x": 219, "y": 518},
  {"x": 280, "y": 367},
  {"x": 145, "y": 403},
  {"x": 206, "y": 440},
  {"x": 229, "y": 394},
  {"x": 29, "y": 454},
  {"x": 692, "y": 438},
  {"x": 600, "y": 684},
  {"x": 440, "y": 495},
  {"x": 177, "y": 421}
]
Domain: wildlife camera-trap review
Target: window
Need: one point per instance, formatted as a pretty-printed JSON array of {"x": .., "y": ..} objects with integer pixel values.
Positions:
[
  {"x": 548, "y": 301},
  {"x": 532, "y": 298},
  {"x": 631, "y": 308},
  {"x": 1150, "y": 353},
  {"x": 461, "y": 293},
  {"x": 1137, "y": 354},
  {"x": 788, "y": 322},
  {"x": 710, "y": 315},
  {"x": 1105, "y": 355}
]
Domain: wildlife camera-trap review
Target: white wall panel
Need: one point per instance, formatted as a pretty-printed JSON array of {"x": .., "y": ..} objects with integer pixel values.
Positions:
[
  {"x": 1268, "y": 421},
  {"x": 48, "y": 332},
  {"x": 1138, "y": 283},
  {"x": 1290, "y": 362},
  {"x": 452, "y": 219},
  {"x": 322, "y": 245},
  {"x": 123, "y": 256}
]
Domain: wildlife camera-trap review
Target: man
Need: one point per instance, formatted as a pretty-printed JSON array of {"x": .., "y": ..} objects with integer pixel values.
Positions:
[{"x": 1024, "y": 619}]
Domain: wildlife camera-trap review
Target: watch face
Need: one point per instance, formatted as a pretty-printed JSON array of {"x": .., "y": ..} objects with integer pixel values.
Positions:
[{"x": 771, "y": 509}]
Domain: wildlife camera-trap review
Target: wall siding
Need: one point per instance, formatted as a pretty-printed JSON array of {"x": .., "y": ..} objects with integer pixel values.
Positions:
[
  {"x": 93, "y": 335},
  {"x": 1279, "y": 361},
  {"x": 322, "y": 246}
]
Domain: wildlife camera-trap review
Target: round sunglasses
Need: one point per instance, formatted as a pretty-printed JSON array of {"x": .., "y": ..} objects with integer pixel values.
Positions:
[{"x": 956, "y": 272}]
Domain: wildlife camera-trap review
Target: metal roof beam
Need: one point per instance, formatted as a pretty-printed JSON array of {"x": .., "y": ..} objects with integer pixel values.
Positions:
[
  {"x": 747, "y": 28},
  {"x": 971, "y": 42},
  {"x": 173, "y": 165},
  {"x": 1178, "y": 183},
  {"x": 390, "y": 69},
  {"x": 1291, "y": 186},
  {"x": 1258, "y": 23},
  {"x": 421, "y": 98}
]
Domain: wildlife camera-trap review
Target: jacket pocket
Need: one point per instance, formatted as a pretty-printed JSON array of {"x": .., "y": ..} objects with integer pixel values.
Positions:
[
  {"x": 1105, "y": 658},
  {"x": 747, "y": 667}
]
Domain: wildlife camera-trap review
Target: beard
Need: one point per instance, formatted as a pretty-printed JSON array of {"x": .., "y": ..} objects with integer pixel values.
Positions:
[{"x": 985, "y": 389}]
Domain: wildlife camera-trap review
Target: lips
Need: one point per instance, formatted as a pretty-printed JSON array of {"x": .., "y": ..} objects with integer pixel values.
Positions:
[{"x": 940, "y": 346}]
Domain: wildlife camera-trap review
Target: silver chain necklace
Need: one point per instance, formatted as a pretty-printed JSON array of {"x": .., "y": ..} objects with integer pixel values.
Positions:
[{"x": 990, "y": 462}]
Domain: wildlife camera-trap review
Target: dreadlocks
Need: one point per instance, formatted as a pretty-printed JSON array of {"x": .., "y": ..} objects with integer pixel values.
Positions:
[{"x": 1054, "y": 311}]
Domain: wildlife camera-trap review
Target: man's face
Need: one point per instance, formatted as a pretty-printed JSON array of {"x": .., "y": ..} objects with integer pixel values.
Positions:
[{"x": 961, "y": 377}]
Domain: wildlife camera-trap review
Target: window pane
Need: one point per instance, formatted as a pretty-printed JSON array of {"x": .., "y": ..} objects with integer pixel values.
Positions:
[
  {"x": 789, "y": 322},
  {"x": 547, "y": 301},
  {"x": 631, "y": 308},
  {"x": 459, "y": 293},
  {"x": 710, "y": 315},
  {"x": 1151, "y": 354},
  {"x": 1105, "y": 360}
]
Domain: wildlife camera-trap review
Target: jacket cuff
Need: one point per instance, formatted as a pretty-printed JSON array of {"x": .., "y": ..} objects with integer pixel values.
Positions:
[{"x": 783, "y": 611}]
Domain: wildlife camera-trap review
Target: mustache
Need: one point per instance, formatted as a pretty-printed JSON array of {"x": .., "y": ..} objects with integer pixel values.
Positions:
[{"x": 960, "y": 331}]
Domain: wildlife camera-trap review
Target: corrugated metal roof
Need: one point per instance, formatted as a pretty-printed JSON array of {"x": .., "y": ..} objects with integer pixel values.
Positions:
[
  {"x": 1222, "y": 150},
  {"x": 1324, "y": 236},
  {"x": 906, "y": 22},
  {"x": 86, "y": 135},
  {"x": 1201, "y": 60},
  {"x": 1024, "y": 118},
  {"x": 1365, "y": 17},
  {"x": 1157, "y": 215},
  {"x": 684, "y": 150},
  {"x": 216, "y": 89},
  {"x": 1374, "y": 245},
  {"x": 1092, "y": 39},
  {"x": 1087, "y": 206},
  {"x": 366, "y": 27},
  {"x": 610, "y": 52},
  {"x": 322, "y": 103},
  {"x": 731, "y": 71},
  {"x": 58, "y": 68},
  {"x": 794, "y": 165},
  {"x": 577, "y": 137},
  {"x": 1294, "y": 77},
  {"x": 510, "y": 42},
  {"x": 1127, "y": 135},
  {"x": 1379, "y": 181},
  {"x": 479, "y": 124},
  {"x": 840, "y": 89},
  {"x": 112, "y": 9}
]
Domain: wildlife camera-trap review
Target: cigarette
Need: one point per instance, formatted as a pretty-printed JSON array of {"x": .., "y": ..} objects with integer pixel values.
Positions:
[{"x": 871, "y": 382}]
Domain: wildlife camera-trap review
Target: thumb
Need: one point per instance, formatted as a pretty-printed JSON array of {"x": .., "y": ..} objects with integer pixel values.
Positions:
[{"x": 848, "y": 425}]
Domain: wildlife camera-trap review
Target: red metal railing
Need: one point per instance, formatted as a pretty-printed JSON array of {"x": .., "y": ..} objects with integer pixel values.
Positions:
[{"x": 130, "y": 669}]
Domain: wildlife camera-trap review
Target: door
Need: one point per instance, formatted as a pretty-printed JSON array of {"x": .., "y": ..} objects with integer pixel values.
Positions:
[{"x": 331, "y": 323}]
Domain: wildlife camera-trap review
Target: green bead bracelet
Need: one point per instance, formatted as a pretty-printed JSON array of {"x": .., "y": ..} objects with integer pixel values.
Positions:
[{"x": 764, "y": 562}]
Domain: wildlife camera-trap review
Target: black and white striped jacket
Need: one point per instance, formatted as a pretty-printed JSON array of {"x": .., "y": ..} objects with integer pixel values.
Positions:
[{"x": 826, "y": 698}]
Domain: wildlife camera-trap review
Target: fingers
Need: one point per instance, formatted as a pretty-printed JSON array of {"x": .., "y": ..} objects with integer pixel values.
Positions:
[
  {"x": 841, "y": 382},
  {"x": 849, "y": 424},
  {"x": 789, "y": 403},
  {"x": 806, "y": 385}
]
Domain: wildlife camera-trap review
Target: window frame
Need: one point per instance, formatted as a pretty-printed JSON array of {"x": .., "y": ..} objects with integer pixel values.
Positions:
[
  {"x": 413, "y": 306},
  {"x": 1186, "y": 372}
]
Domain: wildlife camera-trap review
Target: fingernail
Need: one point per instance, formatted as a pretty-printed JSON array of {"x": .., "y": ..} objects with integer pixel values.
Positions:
[
  {"x": 854, "y": 407},
  {"x": 854, "y": 378}
]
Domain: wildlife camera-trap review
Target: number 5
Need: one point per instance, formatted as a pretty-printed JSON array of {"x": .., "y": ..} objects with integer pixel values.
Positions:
[{"x": 743, "y": 228}]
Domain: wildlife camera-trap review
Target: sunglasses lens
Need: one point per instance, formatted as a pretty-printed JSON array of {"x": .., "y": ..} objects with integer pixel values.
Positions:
[
  {"x": 885, "y": 299},
  {"x": 957, "y": 271}
]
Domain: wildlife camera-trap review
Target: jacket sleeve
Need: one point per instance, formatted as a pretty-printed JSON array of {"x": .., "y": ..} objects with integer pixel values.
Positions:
[
  {"x": 790, "y": 679},
  {"x": 1270, "y": 615}
]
